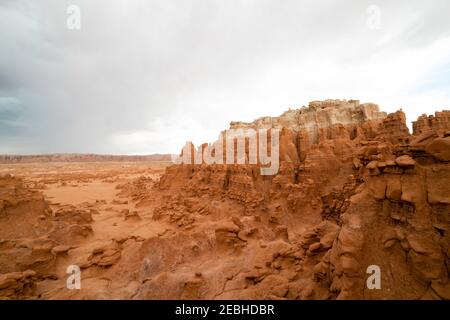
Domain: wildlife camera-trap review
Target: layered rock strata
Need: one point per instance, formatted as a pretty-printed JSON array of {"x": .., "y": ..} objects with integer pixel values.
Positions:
[{"x": 354, "y": 190}]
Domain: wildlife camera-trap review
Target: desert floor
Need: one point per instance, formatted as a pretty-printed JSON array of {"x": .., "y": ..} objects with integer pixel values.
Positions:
[{"x": 92, "y": 186}]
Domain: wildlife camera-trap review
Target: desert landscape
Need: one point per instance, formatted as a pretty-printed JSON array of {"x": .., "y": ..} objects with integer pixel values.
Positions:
[{"x": 355, "y": 188}]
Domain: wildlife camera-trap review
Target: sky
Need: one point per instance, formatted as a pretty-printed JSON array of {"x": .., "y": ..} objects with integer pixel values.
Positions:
[{"x": 144, "y": 76}]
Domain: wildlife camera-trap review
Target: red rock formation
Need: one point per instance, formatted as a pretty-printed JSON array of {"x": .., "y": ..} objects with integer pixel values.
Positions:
[
  {"x": 355, "y": 192},
  {"x": 438, "y": 123},
  {"x": 355, "y": 189},
  {"x": 32, "y": 237}
]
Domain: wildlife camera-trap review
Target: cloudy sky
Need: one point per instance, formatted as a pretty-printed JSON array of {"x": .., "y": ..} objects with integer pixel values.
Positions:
[{"x": 144, "y": 76}]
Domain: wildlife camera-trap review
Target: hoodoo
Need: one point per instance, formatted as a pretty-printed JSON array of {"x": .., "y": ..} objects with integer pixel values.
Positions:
[{"x": 359, "y": 209}]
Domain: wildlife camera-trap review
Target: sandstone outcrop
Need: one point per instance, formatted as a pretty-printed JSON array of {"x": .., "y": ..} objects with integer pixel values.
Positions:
[
  {"x": 33, "y": 237},
  {"x": 354, "y": 189}
]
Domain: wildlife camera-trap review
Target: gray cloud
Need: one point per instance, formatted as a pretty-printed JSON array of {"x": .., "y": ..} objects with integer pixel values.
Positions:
[{"x": 144, "y": 76}]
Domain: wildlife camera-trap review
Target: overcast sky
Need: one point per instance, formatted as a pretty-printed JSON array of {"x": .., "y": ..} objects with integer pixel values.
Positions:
[{"x": 144, "y": 76}]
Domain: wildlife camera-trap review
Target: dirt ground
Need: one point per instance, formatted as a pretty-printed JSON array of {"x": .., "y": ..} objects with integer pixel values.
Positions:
[{"x": 96, "y": 187}]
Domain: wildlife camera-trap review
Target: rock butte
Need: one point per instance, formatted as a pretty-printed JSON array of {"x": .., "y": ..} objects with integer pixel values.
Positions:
[{"x": 354, "y": 189}]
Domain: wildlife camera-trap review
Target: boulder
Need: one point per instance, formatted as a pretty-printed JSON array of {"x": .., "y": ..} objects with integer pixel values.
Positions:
[
  {"x": 405, "y": 161},
  {"x": 439, "y": 148}
]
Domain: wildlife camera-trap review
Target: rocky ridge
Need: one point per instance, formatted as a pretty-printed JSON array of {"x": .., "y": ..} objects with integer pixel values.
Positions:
[
  {"x": 355, "y": 189},
  {"x": 78, "y": 157}
]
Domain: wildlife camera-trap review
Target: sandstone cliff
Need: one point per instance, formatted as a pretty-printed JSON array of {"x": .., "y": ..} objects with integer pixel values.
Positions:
[
  {"x": 355, "y": 192},
  {"x": 354, "y": 189}
]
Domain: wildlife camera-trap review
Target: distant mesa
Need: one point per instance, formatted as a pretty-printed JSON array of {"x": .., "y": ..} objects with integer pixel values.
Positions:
[{"x": 80, "y": 157}]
